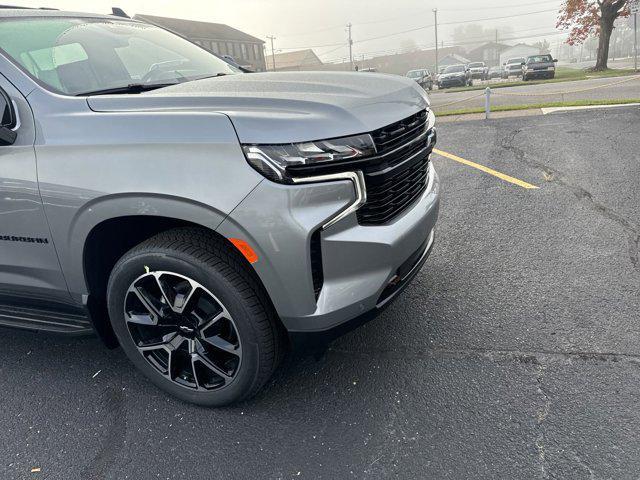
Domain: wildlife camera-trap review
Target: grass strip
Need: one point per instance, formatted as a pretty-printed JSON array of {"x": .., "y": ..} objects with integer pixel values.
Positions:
[{"x": 508, "y": 108}]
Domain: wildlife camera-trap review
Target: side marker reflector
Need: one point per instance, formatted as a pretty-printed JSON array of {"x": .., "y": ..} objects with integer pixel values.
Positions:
[{"x": 245, "y": 249}]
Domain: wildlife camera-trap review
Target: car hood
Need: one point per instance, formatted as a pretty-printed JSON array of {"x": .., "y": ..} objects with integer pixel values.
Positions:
[{"x": 286, "y": 107}]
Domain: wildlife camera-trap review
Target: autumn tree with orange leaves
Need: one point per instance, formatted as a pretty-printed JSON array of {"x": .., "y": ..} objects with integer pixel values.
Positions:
[{"x": 584, "y": 18}]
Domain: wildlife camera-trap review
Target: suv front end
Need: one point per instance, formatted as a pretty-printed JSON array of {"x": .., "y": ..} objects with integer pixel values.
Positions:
[
  {"x": 197, "y": 212},
  {"x": 338, "y": 240}
]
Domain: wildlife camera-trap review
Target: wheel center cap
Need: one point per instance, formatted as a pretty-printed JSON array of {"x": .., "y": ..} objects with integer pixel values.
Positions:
[{"x": 187, "y": 327}]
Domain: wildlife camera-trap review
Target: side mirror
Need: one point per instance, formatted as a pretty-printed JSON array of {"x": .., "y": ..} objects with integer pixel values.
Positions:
[
  {"x": 7, "y": 120},
  {"x": 555, "y": 60},
  {"x": 522, "y": 63}
]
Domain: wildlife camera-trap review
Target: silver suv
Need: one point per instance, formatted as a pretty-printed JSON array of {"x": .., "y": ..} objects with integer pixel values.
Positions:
[{"x": 203, "y": 219}]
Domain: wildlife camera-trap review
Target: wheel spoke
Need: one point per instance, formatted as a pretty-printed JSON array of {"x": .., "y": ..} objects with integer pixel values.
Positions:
[
  {"x": 214, "y": 368},
  {"x": 169, "y": 343},
  {"x": 212, "y": 321},
  {"x": 182, "y": 301},
  {"x": 217, "y": 341},
  {"x": 162, "y": 290},
  {"x": 148, "y": 320},
  {"x": 146, "y": 303}
]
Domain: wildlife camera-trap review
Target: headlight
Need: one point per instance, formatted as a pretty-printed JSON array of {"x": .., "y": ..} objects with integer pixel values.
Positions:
[{"x": 273, "y": 161}]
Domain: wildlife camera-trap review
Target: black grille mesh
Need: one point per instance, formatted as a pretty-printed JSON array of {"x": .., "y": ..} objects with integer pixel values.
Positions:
[{"x": 395, "y": 184}]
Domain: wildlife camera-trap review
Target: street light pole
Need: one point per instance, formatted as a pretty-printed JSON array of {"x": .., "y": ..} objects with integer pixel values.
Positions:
[
  {"x": 273, "y": 52},
  {"x": 435, "y": 14}
]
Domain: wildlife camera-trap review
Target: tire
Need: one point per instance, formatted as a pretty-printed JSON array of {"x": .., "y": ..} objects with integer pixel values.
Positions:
[{"x": 217, "y": 362}]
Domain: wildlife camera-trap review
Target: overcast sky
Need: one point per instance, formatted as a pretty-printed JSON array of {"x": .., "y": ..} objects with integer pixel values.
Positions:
[{"x": 322, "y": 23}]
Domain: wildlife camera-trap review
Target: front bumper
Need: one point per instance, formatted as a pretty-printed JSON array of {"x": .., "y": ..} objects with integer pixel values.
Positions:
[
  {"x": 363, "y": 267},
  {"x": 453, "y": 82},
  {"x": 539, "y": 73}
]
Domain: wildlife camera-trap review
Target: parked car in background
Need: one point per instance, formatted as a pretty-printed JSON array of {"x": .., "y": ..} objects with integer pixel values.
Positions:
[
  {"x": 201, "y": 218},
  {"x": 539, "y": 66},
  {"x": 455, "y": 76},
  {"x": 513, "y": 67},
  {"x": 495, "y": 72},
  {"x": 479, "y": 70},
  {"x": 423, "y": 77}
]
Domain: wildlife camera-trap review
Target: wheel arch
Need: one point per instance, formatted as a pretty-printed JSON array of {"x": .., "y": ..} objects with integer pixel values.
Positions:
[{"x": 98, "y": 245}]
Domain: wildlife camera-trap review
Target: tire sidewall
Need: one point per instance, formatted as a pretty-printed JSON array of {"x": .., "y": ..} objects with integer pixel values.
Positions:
[{"x": 132, "y": 267}]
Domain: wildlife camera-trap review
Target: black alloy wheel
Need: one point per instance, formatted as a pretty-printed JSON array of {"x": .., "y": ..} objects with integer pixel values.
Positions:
[{"x": 183, "y": 330}]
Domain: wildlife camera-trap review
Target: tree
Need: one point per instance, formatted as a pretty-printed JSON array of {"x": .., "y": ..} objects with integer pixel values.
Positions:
[
  {"x": 544, "y": 46},
  {"x": 584, "y": 18},
  {"x": 472, "y": 33},
  {"x": 408, "y": 45}
]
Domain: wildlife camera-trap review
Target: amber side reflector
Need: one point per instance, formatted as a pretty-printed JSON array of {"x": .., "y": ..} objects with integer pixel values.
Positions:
[{"x": 245, "y": 249}]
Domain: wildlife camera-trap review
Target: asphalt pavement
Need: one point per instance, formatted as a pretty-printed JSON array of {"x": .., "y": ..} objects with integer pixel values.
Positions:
[
  {"x": 592, "y": 89},
  {"x": 514, "y": 354}
]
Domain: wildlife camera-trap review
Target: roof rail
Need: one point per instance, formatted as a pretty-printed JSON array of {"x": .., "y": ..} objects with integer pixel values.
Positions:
[{"x": 18, "y": 7}]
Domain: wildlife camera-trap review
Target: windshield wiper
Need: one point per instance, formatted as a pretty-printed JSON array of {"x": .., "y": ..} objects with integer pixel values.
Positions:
[
  {"x": 132, "y": 88},
  {"x": 204, "y": 77}
]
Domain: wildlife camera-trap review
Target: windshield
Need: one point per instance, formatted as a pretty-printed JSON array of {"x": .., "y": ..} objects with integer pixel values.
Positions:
[
  {"x": 475, "y": 65},
  {"x": 76, "y": 56},
  {"x": 539, "y": 59},
  {"x": 416, "y": 73},
  {"x": 454, "y": 69},
  {"x": 515, "y": 61}
]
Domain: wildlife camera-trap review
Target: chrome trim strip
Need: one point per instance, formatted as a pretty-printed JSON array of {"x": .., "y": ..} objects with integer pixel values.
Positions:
[
  {"x": 432, "y": 176},
  {"x": 357, "y": 178}
]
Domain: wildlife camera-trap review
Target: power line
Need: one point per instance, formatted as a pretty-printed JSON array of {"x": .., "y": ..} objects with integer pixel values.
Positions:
[
  {"x": 458, "y": 22},
  {"x": 449, "y": 45},
  {"x": 497, "y": 7}
]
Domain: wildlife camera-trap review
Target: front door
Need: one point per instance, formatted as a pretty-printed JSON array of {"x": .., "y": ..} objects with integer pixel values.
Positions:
[{"x": 29, "y": 267}]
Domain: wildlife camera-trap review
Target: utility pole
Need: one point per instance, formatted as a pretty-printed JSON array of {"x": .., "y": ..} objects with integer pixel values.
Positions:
[
  {"x": 273, "y": 52},
  {"x": 435, "y": 14},
  {"x": 634, "y": 6},
  {"x": 349, "y": 25},
  {"x": 497, "y": 50},
  {"x": 635, "y": 42}
]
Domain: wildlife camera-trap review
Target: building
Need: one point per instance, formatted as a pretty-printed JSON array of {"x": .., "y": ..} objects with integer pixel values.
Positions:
[
  {"x": 298, "y": 60},
  {"x": 489, "y": 53},
  {"x": 519, "y": 50},
  {"x": 452, "y": 59},
  {"x": 246, "y": 50},
  {"x": 399, "y": 63}
]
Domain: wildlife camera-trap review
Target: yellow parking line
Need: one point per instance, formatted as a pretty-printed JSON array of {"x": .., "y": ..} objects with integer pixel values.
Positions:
[{"x": 488, "y": 170}]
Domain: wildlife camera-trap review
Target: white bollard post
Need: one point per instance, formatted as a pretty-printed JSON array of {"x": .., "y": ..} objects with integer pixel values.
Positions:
[{"x": 487, "y": 103}]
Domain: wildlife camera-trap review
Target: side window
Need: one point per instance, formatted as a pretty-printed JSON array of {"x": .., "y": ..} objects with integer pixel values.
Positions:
[
  {"x": 7, "y": 120},
  {"x": 7, "y": 117}
]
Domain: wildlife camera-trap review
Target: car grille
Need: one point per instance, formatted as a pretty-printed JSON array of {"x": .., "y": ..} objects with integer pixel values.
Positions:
[{"x": 397, "y": 182}]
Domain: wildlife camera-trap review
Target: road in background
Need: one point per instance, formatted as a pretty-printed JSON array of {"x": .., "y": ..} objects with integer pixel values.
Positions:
[
  {"x": 514, "y": 354},
  {"x": 607, "y": 88}
]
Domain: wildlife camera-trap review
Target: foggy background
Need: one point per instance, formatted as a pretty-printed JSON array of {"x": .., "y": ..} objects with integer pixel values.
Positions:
[{"x": 377, "y": 24}]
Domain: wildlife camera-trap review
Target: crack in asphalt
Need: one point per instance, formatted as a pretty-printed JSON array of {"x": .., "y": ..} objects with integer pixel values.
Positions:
[
  {"x": 114, "y": 438},
  {"x": 541, "y": 416},
  {"x": 552, "y": 175},
  {"x": 536, "y": 357}
]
